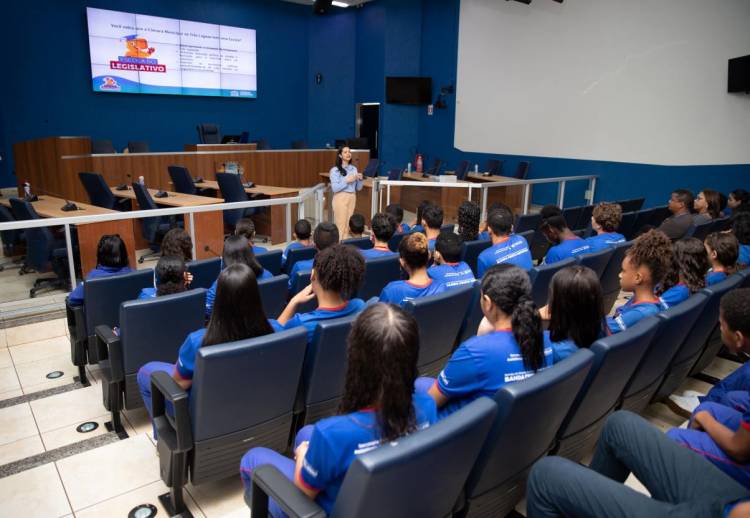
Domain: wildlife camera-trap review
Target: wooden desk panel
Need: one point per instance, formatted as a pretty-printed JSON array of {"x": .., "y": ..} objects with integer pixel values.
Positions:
[
  {"x": 449, "y": 198},
  {"x": 512, "y": 196},
  {"x": 220, "y": 147},
  {"x": 174, "y": 199}
]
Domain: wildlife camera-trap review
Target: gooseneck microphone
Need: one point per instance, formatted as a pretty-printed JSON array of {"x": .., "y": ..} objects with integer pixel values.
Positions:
[{"x": 67, "y": 207}]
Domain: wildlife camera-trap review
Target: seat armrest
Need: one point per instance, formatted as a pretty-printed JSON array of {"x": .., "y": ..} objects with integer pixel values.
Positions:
[
  {"x": 173, "y": 425},
  {"x": 76, "y": 321},
  {"x": 107, "y": 339},
  {"x": 268, "y": 481}
]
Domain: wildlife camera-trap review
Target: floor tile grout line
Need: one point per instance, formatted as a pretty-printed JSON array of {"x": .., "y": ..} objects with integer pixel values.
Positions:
[
  {"x": 67, "y": 497},
  {"x": 112, "y": 497}
]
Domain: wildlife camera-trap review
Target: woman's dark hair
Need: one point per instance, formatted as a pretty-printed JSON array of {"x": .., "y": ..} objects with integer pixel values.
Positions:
[
  {"x": 169, "y": 275},
  {"x": 741, "y": 227},
  {"x": 468, "y": 220},
  {"x": 177, "y": 242},
  {"x": 340, "y": 268},
  {"x": 741, "y": 195},
  {"x": 414, "y": 250},
  {"x": 238, "y": 311},
  {"x": 395, "y": 210},
  {"x": 302, "y": 229},
  {"x": 575, "y": 305},
  {"x": 713, "y": 201},
  {"x": 382, "y": 353},
  {"x": 509, "y": 288},
  {"x": 654, "y": 251},
  {"x": 727, "y": 249},
  {"x": 245, "y": 228},
  {"x": 420, "y": 209},
  {"x": 237, "y": 249},
  {"x": 689, "y": 265},
  {"x": 340, "y": 161},
  {"x": 112, "y": 252}
]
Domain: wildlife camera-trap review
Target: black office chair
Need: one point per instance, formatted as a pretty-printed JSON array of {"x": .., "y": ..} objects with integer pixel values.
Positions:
[
  {"x": 363, "y": 243},
  {"x": 462, "y": 169},
  {"x": 394, "y": 174},
  {"x": 379, "y": 271},
  {"x": 232, "y": 190},
  {"x": 181, "y": 179},
  {"x": 261, "y": 144},
  {"x": 494, "y": 167},
  {"x": 205, "y": 272},
  {"x": 11, "y": 239},
  {"x": 244, "y": 137},
  {"x": 372, "y": 168},
  {"x": 597, "y": 261},
  {"x": 298, "y": 254},
  {"x": 299, "y": 144},
  {"x": 100, "y": 194},
  {"x": 271, "y": 261},
  {"x": 208, "y": 134},
  {"x": 470, "y": 251},
  {"x": 610, "y": 277},
  {"x": 435, "y": 169},
  {"x": 541, "y": 276},
  {"x": 153, "y": 229},
  {"x": 522, "y": 171},
  {"x": 102, "y": 147},
  {"x": 138, "y": 146}
]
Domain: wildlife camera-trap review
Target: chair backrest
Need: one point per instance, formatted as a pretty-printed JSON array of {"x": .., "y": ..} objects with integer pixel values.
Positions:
[
  {"x": 363, "y": 243},
  {"x": 149, "y": 226},
  {"x": 205, "y": 272},
  {"x": 631, "y": 205},
  {"x": 232, "y": 190},
  {"x": 96, "y": 187},
  {"x": 522, "y": 171},
  {"x": 528, "y": 235},
  {"x": 542, "y": 275},
  {"x": 526, "y": 222},
  {"x": 39, "y": 241},
  {"x": 447, "y": 227},
  {"x": 435, "y": 169},
  {"x": 298, "y": 254},
  {"x": 145, "y": 337},
  {"x": 439, "y": 318},
  {"x": 262, "y": 144},
  {"x": 597, "y": 261},
  {"x": 745, "y": 274},
  {"x": 299, "y": 144},
  {"x": 372, "y": 168},
  {"x": 701, "y": 230},
  {"x": 585, "y": 220},
  {"x": 379, "y": 271},
  {"x": 628, "y": 223},
  {"x": 181, "y": 179},
  {"x": 722, "y": 224},
  {"x": 9, "y": 237},
  {"x": 462, "y": 169},
  {"x": 387, "y": 480},
  {"x": 138, "y": 146},
  {"x": 208, "y": 134},
  {"x": 103, "y": 296},
  {"x": 300, "y": 280},
  {"x": 494, "y": 167},
  {"x": 529, "y": 415},
  {"x": 470, "y": 251},
  {"x": 659, "y": 215},
  {"x": 394, "y": 174},
  {"x": 241, "y": 384},
  {"x": 395, "y": 241},
  {"x": 102, "y": 146},
  {"x": 271, "y": 261},
  {"x": 610, "y": 277},
  {"x": 572, "y": 215},
  {"x": 273, "y": 294},
  {"x": 473, "y": 315}
]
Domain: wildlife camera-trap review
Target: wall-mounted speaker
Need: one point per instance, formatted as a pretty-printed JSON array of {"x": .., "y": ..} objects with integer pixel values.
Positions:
[{"x": 321, "y": 6}]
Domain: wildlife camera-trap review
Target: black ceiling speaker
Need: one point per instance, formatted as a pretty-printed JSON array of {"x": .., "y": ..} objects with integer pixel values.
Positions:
[{"x": 321, "y": 6}]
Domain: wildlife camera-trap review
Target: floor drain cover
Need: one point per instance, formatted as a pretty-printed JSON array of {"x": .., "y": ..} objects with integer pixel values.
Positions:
[
  {"x": 88, "y": 426},
  {"x": 143, "y": 511},
  {"x": 54, "y": 374}
]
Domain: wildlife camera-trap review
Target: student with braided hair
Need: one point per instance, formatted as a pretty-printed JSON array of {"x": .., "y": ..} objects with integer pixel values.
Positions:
[
  {"x": 414, "y": 255},
  {"x": 469, "y": 214},
  {"x": 688, "y": 275},
  {"x": 723, "y": 250}
]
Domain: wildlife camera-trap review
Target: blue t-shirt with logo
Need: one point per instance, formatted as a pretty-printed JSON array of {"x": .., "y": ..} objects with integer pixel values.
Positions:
[
  {"x": 211, "y": 293},
  {"x": 715, "y": 277},
  {"x": 674, "y": 295},
  {"x": 568, "y": 248},
  {"x": 452, "y": 274},
  {"x": 376, "y": 252},
  {"x": 630, "y": 313},
  {"x": 513, "y": 250},
  {"x": 603, "y": 241},
  {"x": 400, "y": 292},
  {"x": 404, "y": 228},
  {"x": 744, "y": 257},
  {"x": 310, "y": 320},
  {"x": 336, "y": 441},
  {"x": 305, "y": 265}
]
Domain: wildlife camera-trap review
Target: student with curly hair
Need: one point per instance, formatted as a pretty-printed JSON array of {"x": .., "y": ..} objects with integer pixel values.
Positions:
[
  {"x": 414, "y": 255},
  {"x": 177, "y": 243},
  {"x": 741, "y": 230},
  {"x": 111, "y": 259},
  {"x": 605, "y": 221},
  {"x": 565, "y": 242},
  {"x": 378, "y": 407},
  {"x": 507, "y": 247},
  {"x": 395, "y": 210},
  {"x": 449, "y": 269},
  {"x": 723, "y": 250},
  {"x": 383, "y": 227},
  {"x": 325, "y": 235},
  {"x": 170, "y": 276},
  {"x": 246, "y": 228},
  {"x": 707, "y": 206},
  {"x": 688, "y": 275},
  {"x": 336, "y": 275},
  {"x": 646, "y": 264},
  {"x": 301, "y": 234},
  {"x": 468, "y": 221}
]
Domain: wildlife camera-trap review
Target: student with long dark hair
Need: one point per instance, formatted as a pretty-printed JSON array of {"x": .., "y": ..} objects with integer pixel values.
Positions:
[
  {"x": 738, "y": 200},
  {"x": 469, "y": 214},
  {"x": 378, "y": 406},
  {"x": 707, "y": 206},
  {"x": 111, "y": 259},
  {"x": 688, "y": 275},
  {"x": 177, "y": 242},
  {"x": 170, "y": 276},
  {"x": 414, "y": 255},
  {"x": 345, "y": 182},
  {"x": 723, "y": 250}
]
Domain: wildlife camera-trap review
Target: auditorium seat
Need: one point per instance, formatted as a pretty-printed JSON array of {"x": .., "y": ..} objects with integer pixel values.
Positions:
[
  {"x": 153, "y": 229},
  {"x": 298, "y": 254},
  {"x": 585, "y": 220},
  {"x": 527, "y": 235},
  {"x": 494, "y": 167},
  {"x": 379, "y": 271},
  {"x": 642, "y": 218},
  {"x": 271, "y": 261},
  {"x": 473, "y": 316},
  {"x": 542, "y": 275},
  {"x": 572, "y": 216},
  {"x": 530, "y": 412},
  {"x": 273, "y": 293},
  {"x": 100, "y": 194},
  {"x": 470, "y": 251},
  {"x": 722, "y": 224},
  {"x": 701, "y": 230},
  {"x": 628, "y": 224},
  {"x": 418, "y": 475},
  {"x": 610, "y": 277},
  {"x": 102, "y": 147},
  {"x": 144, "y": 337},
  {"x": 616, "y": 358},
  {"x": 205, "y": 272},
  {"x": 363, "y": 243},
  {"x": 447, "y": 227},
  {"x": 208, "y": 134},
  {"x": 242, "y": 396},
  {"x": 439, "y": 323},
  {"x": 597, "y": 261},
  {"x": 300, "y": 280},
  {"x": 138, "y": 146},
  {"x": 631, "y": 205},
  {"x": 659, "y": 215}
]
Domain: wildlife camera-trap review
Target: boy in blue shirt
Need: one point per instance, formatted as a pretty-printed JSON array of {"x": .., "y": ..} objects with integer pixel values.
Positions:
[
  {"x": 565, "y": 242},
  {"x": 448, "y": 268},
  {"x": 302, "y": 232},
  {"x": 723, "y": 250},
  {"x": 395, "y": 210},
  {"x": 507, "y": 248},
  {"x": 383, "y": 227},
  {"x": 414, "y": 255},
  {"x": 246, "y": 228},
  {"x": 645, "y": 265},
  {"x": 605, "y": 221},
  {"x": 326, "y": 234},
  {"x": 432, "y": 219}
]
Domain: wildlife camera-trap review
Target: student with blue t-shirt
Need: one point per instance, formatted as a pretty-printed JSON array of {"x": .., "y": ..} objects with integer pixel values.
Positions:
[
  {"x": 432, "y": 219},
  {"x": 741, "y": 230},
  {"x": 417, "y": 225},
  {"x": 414, "y": 255},
  {"x": 326, "y": 234},
  {"x": 514, "y": 349},
  {"x": 111, "y": 259},
  {"x": 302, "y": 233},
  {"x": 237, "y": 315},
  {"x": 395, "y": 210},
  {"x": 356, "y": 226},
  {"x": 564, "y": 242},
  {"x": 484, "y": 227},
  {"x": 237, "y": 249},
  {"x": 688, "y": 274},
  {"x": 336, "y": 275},
  {"x": 383, "y": 227},
  {"x": 448, "y": 268},
  {"x": 605, "y": 221},
  {"x": 170, "y": 276},
  {"x": 378, "y": 407},
  {"x": 646, "y": 264},
  {"x": 246, "y": 228},
  {"x": 507, "y": 248},
  {"x": 723, "y": 249},
  {"x": 468, "y": 221}
]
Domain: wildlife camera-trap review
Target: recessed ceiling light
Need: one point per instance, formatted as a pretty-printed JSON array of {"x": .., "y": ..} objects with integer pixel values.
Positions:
[{"x": 339, "y": 4}]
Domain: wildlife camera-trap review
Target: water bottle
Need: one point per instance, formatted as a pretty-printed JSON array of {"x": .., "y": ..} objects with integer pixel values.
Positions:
[
  {"x": 408, "y": 167},
  {"x": 27, "y": 189},
  {"x": 476, "y": 168},
  {"x": 141, "y": 180}
]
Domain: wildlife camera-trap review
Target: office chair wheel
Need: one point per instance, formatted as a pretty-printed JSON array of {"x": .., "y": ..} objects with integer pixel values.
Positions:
[
  {"x": 32, "y": 293},
  {"x": 140, "y": 260}
]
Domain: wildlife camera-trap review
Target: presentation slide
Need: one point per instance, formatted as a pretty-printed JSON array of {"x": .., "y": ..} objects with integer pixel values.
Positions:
[{"x": 135, "y": 53}]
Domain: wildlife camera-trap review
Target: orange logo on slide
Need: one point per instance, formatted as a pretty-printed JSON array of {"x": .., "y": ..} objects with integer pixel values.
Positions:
[{"x": 137, "y": 47}]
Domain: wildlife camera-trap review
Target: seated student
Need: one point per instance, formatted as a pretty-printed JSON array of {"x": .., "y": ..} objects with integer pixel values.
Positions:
[
  {"x": 336, "y": 274},
  {"x": 356, "y": 226},
  {"x": 707, "y": 206},
  {"x": 302, "y": 233},
  {"x": 468, "y": 221},
  {"x": 739, "y": 200},
  {"x": 515, "y": 349},
  {"x": 238, "y": 314},
  {"x": 378, "y": 406},
  {"x": 432, "y": 219},
  {"x": 565, "y": 242},
  {"x": 645, "y": 265},
  {"x": 741, "y": 230},
  {"x": 111, "y": 259},
  {"x": 680, "y": 482},
  {"x": 448, "y": 268},
  {"x": 326, "y": 234},
  {"x": 688, "y": 273},
  {"x": 605, "y": 221},
  {"x": 170, "y": 276},
  {"x": 722, "y": 433},
  {"x": 178, "y": 243},
  {"x": 246, "y": 228},
  {"x": 677, "y": 225},
  {"x": 416, "y": 226},
  {"x": 506, "y": 246},
  {"x": 395, "y": 210},
  {"x": 723, "y": 250},
  {"x": 237, "y": 249},
  {"x": 414, "y": 256},
  {"x": 383, "y": 227},
  {"x": 484, "y": 231}
]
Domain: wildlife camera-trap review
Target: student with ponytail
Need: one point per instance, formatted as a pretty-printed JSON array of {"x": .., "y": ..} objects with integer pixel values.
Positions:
[{"x": 415, "y": 254}]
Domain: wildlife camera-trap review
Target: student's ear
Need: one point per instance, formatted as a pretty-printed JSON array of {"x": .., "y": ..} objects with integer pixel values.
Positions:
[
  {"x": 402, "y": 263},
  {"x": 486, "y": 304},
  {"x": 743, "y": 340},
  {"x": 437, "y": 257},
  {"x": 313, "y": 275}
]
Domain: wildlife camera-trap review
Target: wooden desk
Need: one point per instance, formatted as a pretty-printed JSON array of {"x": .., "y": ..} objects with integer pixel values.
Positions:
[
  {"x": 364, "y": 198},
  {"x": 512, "y": 196},
  {"x": 209, "y": 226},
  {"x": 89, "y": 233},
  {"x": 220, "y": 147},
  {"x": 449, "y": 198}
]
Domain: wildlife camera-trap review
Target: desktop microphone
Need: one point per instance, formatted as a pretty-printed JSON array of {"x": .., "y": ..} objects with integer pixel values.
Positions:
[
  {"x": 69, "y": 205},
  {"x": 123, "y": 186}
]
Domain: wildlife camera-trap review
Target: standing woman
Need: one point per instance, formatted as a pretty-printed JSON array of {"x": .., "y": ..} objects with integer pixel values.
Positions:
[{"x": 345, "y": 181}]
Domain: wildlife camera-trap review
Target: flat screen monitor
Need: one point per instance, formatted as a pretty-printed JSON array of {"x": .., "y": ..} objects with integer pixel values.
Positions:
[
  {"x": 408, "y": 90},
  {"x": 739, "y": 74}
]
